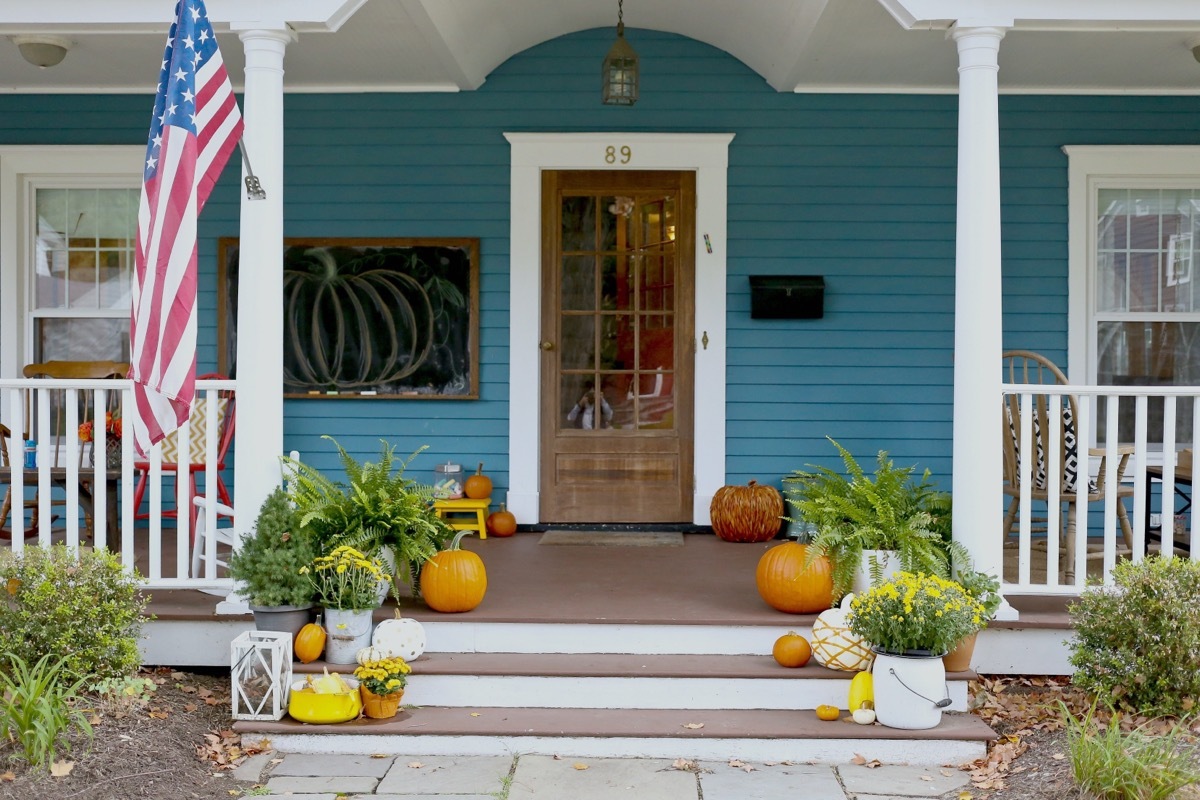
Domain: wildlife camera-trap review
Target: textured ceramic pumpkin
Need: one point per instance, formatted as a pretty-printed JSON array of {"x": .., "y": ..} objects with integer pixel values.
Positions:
[
  {"x": 835, "y": 646},
  {"x": 786, "y": 585},
  {"x": 501, "y": 523},
  {"x": 310, "y": 642},
  {"x": 750, "y": 513},
  {"x": 791, "y": 650},
  {"x": 478, "y": 486},
  {"x": 454, "y": 579},
  {"x": 399, "y": 637}
]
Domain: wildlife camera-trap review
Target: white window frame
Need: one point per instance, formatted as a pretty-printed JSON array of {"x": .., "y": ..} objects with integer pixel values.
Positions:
[
  {"x": 24, "y": 168},
  {"x": 1095, "y": 167}
]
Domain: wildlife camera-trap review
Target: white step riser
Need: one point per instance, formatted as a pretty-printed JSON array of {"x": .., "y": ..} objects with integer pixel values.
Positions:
[
  {"x": 520, "y": 691},
  {"x": 817, "y": 751},
  {"x": 503, "y": 637}
]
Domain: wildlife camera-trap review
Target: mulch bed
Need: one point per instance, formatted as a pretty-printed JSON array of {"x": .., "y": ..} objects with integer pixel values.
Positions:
[{"x": 176, "y": 744}]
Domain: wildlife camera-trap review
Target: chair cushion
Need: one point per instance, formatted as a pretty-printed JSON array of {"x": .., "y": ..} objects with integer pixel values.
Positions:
[
  {"x": 1070, "y": 465},
  {"x": 198, "y": 434}
]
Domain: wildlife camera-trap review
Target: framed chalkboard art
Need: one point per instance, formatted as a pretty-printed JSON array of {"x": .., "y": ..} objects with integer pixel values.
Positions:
[{"x": 369, "y": 318}]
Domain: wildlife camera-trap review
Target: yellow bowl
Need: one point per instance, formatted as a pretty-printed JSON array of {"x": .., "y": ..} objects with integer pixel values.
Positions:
[{"x": 325, "y": 709}]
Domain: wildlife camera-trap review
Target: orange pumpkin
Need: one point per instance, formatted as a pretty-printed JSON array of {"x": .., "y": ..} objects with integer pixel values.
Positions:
[
  {"x": 786, "y": 586},
  {"x": 478, "y": 486},
  {"x": 502, "y": 522},
  {"x": 310, "y": 641},
  {"x": 791, "y": 650},
  {"x": 828, "y": 713},
  {"x": 750, "y": 513},
  {"x": 454, "y": 579}
]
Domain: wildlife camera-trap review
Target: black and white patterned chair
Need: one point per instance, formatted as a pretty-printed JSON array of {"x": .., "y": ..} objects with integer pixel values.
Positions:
[{"x": 1025, "y": 367}]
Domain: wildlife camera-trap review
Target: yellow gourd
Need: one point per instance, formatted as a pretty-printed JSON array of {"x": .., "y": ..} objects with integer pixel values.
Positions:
[
  {"x": 828, "y": 713},
  {"x": 862, "y": 691}
]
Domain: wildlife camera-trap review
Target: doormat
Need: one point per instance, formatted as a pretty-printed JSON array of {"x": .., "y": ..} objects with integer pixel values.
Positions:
[{"x": 614, "y": 538}]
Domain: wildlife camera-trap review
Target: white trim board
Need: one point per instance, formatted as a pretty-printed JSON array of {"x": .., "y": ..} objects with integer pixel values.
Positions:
[{"x": 705, "y": 153}]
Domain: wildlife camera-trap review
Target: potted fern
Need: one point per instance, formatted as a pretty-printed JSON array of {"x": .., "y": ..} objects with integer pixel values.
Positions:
[
  {"x": 268, "y": 567},
  {"x": 377, "y": 510},
  {"x": 870, "y": 526}
]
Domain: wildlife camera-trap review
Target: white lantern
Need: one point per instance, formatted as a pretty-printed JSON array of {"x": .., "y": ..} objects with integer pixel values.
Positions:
[
  {"x": 835, "y": 646},
  {"x": 261, "y": 674}
]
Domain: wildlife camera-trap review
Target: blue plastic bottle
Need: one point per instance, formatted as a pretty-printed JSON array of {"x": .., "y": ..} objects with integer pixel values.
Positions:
[{"x": 30, "y": 454}]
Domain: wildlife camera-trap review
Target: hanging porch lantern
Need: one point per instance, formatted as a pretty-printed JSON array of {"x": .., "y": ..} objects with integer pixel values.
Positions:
[
  {"x": 261, "y": 673},
  {"x": 619, "y": 73}
]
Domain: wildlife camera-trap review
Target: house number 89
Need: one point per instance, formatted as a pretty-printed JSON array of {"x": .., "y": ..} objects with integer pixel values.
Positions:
[{"x": 611, "y": 153}]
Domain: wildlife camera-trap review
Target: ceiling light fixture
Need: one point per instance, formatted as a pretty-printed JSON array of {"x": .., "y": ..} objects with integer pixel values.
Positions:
[
  {"x": 42, "y": 51},
  {"x": 619, "y": 73}
]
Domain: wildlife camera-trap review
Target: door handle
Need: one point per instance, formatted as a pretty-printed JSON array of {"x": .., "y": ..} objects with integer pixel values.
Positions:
[{"x": 547, "y": 345}]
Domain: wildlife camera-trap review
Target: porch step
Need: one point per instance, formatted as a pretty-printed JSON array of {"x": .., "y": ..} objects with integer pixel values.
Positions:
[
  {"x": 600, "y": 680},
  {"x": 764, "y": 735}
]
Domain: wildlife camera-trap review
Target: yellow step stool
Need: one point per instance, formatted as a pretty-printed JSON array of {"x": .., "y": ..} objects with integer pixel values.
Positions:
[{"x": 465, "y": 514}]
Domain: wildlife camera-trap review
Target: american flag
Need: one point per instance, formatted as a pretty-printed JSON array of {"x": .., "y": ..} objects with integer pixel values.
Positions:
[{"x": 196, "y": 125}]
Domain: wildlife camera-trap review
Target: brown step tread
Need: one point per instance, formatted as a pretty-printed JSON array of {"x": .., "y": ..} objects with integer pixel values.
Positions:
[
  {"x": 610, "y": 723},
  {"x": 608, "y": 665}
]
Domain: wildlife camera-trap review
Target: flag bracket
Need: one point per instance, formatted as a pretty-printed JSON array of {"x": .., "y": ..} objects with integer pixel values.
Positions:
[{"x": 254, "y": 189}]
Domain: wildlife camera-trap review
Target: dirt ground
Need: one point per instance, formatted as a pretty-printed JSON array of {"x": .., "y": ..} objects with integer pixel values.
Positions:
[{"x": 178, "y": 744}]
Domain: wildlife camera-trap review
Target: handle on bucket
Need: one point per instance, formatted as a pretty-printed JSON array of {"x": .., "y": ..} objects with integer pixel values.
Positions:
[
  {"x": 351, "y": 634},
  {"x": 945, "y": 701}
]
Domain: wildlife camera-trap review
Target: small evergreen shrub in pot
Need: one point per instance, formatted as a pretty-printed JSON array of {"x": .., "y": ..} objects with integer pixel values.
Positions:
[
  {"x": 1136, "y": 642},
  {"x": 269, "y": 561},
  {"x": 84, "y": 607}
]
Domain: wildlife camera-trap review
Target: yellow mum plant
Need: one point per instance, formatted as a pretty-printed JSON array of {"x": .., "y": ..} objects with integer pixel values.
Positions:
[
  {"x": 915, "y": 612},
  {"x": 385, "y": 676},
  {"x": 346, "y": 579}
]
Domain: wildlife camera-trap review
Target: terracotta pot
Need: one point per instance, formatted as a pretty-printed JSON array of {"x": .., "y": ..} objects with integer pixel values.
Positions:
[
  {"x": 380, "y": 706},
  {"x": 959, "y": 659}
]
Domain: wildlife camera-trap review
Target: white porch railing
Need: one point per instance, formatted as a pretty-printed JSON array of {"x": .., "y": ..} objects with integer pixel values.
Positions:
[
  {"x": 1097, "y": 547},
  {"x": 69, "y": 473}
]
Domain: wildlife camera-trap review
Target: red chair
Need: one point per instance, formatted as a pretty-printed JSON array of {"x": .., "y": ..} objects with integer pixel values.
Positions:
[{"x": 226, "y": 417}]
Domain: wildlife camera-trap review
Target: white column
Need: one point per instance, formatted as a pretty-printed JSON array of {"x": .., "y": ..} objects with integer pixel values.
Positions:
[
  {"x": 977, "y": 319},
  {"x": 259, "y": 441}
]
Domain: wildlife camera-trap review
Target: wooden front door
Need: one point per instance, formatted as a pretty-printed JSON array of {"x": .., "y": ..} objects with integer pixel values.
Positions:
[{"x": 617, "y": 346}]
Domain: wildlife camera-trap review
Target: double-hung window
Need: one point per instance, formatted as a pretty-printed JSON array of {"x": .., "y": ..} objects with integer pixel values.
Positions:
[
  {"x": 1135, "y": 275},
  {"x": 68, "y": 222}
]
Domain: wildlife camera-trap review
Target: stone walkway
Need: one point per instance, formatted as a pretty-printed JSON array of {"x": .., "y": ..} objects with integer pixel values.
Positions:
[{"x": 332, "y": 777}]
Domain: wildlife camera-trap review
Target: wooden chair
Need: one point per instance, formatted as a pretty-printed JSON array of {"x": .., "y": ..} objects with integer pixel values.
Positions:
[
  {"x": 193, "y": 454},
  {"x": 58, "y": 370},
  {"x": 1023, "y": 366}
]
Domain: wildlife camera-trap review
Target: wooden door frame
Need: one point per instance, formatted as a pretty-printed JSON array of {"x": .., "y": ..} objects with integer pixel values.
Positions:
[{"x": 706, "y": 155}]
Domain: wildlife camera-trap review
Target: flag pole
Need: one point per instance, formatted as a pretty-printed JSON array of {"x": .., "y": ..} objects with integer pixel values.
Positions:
[{"x": 254, "y": 189}]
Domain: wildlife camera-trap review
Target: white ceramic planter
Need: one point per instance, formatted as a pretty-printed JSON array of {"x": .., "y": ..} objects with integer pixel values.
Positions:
[{"x": 908, "y": 690}]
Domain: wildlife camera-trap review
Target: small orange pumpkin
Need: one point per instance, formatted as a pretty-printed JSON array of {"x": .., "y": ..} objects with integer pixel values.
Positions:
[
  {"x": 828, "y": 713},
  {"x": 478, "y": 486},
  {"x": 502, "y": 522},
  {"x": 454, "y": 579},
  {"x": 750, "y": 513},
  {"x": 791, "y": 650},
  {"x": 310, "y": 642},
  {"x": 786, "y": 585}
]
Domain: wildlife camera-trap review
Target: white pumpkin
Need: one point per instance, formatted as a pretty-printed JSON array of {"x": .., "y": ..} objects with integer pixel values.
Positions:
[
  {"x": 399, "y": 637},
  {"x": 835, "y": 646},
  {"x": 370, "y": 654}
]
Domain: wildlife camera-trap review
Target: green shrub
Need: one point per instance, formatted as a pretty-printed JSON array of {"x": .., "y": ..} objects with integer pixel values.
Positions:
[
  {"x": 86, "y": 608},
  {"x": 37, "y": 709},
  {"x": 1137, "y": 641},
  {"x": 1113, "y": 764}
]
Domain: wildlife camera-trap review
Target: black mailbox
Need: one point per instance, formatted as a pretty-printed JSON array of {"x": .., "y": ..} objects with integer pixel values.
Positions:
[{"x": 787, "y": 297}]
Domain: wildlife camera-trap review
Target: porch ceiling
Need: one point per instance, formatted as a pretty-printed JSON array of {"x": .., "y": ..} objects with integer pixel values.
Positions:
[{"x": 450, "y": 45}]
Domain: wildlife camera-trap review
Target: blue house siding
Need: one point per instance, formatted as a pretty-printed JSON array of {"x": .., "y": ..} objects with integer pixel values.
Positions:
[{"x": 859, "y": 189}]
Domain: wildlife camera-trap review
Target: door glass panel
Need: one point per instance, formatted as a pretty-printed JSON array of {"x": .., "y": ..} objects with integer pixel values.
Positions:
[
  {"x": 656, "y": 345},
  {"x": 578, "y": 224},
  {"x": 578, "y": 283},
  {"x": 615, "y": 282},
  {"x": 578, "y": 341}
]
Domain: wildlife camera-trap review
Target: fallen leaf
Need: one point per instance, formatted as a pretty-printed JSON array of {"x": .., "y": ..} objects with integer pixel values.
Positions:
[
  {"x": 684, "y": 764},
  {"x": 862, "y": 761},
  {"x": 61, "y": 769},
  {"x": 1058, "y": 756},
  {"x": 475, "y": 714},
  {"x": 373, "y": 755},
  {"x": 965, "y": 796},
  {"x": 580, "y": 766},
  {"x": 946, "y": 773},
  {"x": 190, "y": 707},
  {"x": 926, "y": 777},
  {"x": 94, "y": 720},
  {"x": 7, "y": 776},
  {"x": 159, "y": 714},
  {"x": 693, "y": 725},
  {"x": 736, "y": 762},
  {"x": 415, "y": 765}
]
